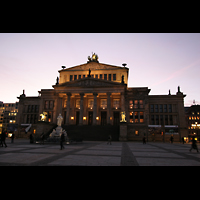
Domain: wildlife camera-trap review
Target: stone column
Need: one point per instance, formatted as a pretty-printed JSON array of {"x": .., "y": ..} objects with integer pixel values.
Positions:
[
  {"x": 95, "y": 108},
  {"x": 81, "y": 109},
  {"x": 68, "y": 107},
  {"x": 108, "y": 107},
  {"x": 122, "y": 102}
]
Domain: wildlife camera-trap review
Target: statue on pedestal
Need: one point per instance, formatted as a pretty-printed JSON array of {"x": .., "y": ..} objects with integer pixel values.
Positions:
[
  {"x": 123, "y": 117},
  {"x": 89, "y": 73},
  {"x": 59, "y": 120}
]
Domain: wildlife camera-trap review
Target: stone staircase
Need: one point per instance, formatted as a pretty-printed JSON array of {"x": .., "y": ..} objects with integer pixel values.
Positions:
[{"x": 92, "y": 133}]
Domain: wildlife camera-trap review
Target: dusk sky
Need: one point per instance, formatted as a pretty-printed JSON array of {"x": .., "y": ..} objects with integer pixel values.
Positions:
[{"x": 159, "y": 61}]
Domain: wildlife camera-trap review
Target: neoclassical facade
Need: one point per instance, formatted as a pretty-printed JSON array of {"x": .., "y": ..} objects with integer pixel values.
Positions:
[{"x": 97, "y": 95}]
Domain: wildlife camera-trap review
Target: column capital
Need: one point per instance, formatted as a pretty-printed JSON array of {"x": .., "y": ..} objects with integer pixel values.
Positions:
[{"x": 95, "y": 93}]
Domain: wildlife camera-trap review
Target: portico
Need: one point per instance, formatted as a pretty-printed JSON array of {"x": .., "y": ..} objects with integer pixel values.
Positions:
[{"x": 83, "y": 106}]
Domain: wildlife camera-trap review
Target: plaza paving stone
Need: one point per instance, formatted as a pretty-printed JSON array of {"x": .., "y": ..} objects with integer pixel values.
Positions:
[{"x": 98, "y": 153}]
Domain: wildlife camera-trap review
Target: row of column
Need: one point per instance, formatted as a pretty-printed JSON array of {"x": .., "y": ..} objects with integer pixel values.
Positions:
[{"x": 94, "y": 107}]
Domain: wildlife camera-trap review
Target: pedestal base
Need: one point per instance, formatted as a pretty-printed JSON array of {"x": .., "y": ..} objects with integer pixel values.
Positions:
[{"x": 123, "y": 131}]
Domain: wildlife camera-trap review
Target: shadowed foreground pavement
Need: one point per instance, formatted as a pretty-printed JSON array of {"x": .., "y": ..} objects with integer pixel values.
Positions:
[{"x": 92, "y": 153}]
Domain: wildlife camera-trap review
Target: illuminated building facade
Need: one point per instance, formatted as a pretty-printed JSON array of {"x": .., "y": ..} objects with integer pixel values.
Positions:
[
  {"x": 8, "y": 115},
  {"x": 95, "y": 95},
  {"x": 193, "y": 122}
]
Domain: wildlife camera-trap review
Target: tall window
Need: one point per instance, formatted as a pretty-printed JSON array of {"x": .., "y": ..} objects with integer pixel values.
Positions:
[
  {"x": 104, "y": 103},
  {"x": 170, "y": 120},
  {"x": 141, "y": 117},
  {"x": 109, "y": 77},
  {"x": 152, "y": 119},
  {"x": 105, "y": 76},
  {"x": 141, "y": 103},
  {"x": 131, "y": 117},
  {"x": 131, "y": 104},
  {"x": 166, "y": 119},
  {"x": 157, "y": 119},
  {"x": 161, "y": 120},
  {"x": 116, "y": 103},
  {"x": 114, "y": 77},
  {"x": 90, "y": 103},
  {"x": 78, "y": 103},
  {"x": 135, "y": 103},
  {"x": 136, "y": 117},
  {"x": 152, "y": 108},
  {"x": 156, "y": 107},
  {"x": 71, "y": 77},
  {"x": 165, "y": 108},
  {"x": 46, "y": 104},
  {"x": 161, "y": 108},
  {"x": 51, "y": 104},
  {"x": 170, "y": 108}
]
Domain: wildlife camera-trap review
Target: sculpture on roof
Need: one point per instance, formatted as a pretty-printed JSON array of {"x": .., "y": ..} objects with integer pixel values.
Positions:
[
  {"x": 89, "y": 75},
  {"x": 93, "y": 58}
]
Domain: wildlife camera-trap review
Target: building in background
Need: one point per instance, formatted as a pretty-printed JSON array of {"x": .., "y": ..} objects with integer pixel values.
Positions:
[
  {"x": 192, "y": 116},
  {"x": 95, "y": 100},
  {"x": 8, "y": 115}
]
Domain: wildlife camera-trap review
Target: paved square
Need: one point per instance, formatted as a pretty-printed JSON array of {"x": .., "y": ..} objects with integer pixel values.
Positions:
[
  {"x": 93, "y": 153},
  {"x": 87, "y": 160}
]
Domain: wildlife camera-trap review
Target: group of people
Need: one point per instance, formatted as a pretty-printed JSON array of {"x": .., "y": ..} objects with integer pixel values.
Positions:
[{"x": 42, "y": 137}]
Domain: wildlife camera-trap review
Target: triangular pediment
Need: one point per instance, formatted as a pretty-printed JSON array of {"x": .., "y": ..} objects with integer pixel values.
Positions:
[
  {"x": 89, "y": 82},
  {"x": 92, "y": 66}
]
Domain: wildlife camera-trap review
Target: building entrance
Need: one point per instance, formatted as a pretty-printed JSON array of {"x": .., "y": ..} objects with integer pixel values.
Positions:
[
  {"x": 103, "y": 118},
  {"x": 77, "y": 117},
  {"x": 90, "y": 118},
  {"x": 116, "y": 118}
]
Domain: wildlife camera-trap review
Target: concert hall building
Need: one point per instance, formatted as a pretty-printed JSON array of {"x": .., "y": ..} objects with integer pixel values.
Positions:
[{"x": 94, "y": 100}]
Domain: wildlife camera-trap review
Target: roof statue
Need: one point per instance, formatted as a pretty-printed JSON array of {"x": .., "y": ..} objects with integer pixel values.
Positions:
[
  {"x": 89, "y": 75},
  {"x": 93, "y": 58}
]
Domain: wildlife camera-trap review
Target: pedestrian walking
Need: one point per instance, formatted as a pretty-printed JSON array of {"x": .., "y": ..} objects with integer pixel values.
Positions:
[
  {"x": 109, "y": 139},
  {"x": 144, "y": 140},
  {"x": 12, "y": 138},
  {"x": 194, "y": 145},
  {"x": 3, "y": 138},
  {"x": 31, "y": 138},
  {"x": 62, "y": 139},
  {"x": 42, "y": 138},
  {"x": 171, "y": 139}
]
